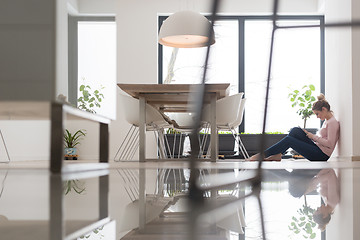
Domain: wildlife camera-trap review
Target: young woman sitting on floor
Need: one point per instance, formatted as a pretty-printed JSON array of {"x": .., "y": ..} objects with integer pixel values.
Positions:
[{"x": 312, "y": 147}]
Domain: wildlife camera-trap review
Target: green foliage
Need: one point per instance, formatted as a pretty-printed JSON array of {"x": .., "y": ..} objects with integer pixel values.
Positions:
[
  {"x": 90, "y": 99},
  {"x": 304, "y": 223},
  {"x": 303, "y": 100},
  {"x": 265, "y": 133},
  {"x": 224, "y": 132},
  {"x": 75, "y": 185},
  {"x": 72, "y": 140},
  {"x": 172, "y": 131}
]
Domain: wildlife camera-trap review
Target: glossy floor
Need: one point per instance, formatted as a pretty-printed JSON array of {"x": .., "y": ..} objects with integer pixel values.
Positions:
[{"x": 297, "y": 198}]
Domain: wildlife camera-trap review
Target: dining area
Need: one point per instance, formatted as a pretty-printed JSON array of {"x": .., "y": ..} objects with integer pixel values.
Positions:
[{"x": 164, "y": 107}]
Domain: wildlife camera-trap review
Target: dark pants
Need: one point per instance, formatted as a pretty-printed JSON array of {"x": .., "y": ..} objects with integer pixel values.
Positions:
[{"x": 298, "y": 141}]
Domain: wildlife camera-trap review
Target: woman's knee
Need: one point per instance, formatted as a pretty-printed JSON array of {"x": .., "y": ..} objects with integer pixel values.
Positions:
[{"x": 295, "y": 131}]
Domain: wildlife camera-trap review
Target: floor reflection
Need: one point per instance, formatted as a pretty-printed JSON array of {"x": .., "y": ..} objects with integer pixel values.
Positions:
[{"x": 297, "y": 204}]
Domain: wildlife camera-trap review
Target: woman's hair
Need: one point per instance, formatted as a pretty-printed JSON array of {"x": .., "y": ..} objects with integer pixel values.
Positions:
[
  {"x": 320, "y": 103},
  {"x": 322, "y": 222}
]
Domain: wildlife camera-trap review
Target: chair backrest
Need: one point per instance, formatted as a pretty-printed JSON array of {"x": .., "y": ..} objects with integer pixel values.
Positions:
[
  {"x": 240, "y": 115},
  {"x": 131, "y": 109},
  {"x": 227, "y": 109}
]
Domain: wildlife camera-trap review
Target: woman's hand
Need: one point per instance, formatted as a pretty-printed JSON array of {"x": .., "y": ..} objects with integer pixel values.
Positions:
[{"x": 309, "y": 134}]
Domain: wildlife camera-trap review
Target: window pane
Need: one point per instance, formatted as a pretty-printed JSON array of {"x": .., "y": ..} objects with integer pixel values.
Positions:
[
  {"x": 296, "y": 62},
  {"x": 185, "y": 65},
  {"x": 97, "y": 62}
]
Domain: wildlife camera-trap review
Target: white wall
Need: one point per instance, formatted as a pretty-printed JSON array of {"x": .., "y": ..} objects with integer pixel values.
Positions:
[
  {"x": 61, "y": 45},
  {"x": 342, "y": 73},
  {"x": 342, "y": 84},
  {"x": 345, "y": 221},
  {"x": 96, "y": 7}
]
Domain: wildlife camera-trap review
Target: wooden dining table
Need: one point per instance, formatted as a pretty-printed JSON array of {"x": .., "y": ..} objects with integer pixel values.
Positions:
[{"x": 175, "y": 98}]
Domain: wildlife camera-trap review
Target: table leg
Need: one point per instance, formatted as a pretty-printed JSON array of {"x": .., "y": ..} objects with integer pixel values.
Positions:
[
  {"x": 57, "y": 138},
  {"x": 142, "y": 199},
  {"x": 214, "y": 135},
  {"x": 142, "y": 128}
]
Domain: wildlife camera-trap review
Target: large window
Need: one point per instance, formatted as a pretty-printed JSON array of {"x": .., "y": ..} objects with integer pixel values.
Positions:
[
  {"x": 240, "y": 57},
  {"x": 92, "y": 60}
]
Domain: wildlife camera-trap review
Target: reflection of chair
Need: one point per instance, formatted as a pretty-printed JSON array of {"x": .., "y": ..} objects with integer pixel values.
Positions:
[
  {"x": 154, "y": 122},
  {"x": 234, "y": 222}
]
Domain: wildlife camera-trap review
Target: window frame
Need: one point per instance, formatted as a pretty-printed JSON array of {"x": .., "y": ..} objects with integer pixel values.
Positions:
[{"x": 241, "y": 54}]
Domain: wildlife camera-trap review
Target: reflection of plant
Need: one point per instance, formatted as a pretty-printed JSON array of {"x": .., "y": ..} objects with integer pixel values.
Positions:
[
  {"x": 304, "y": 223},
  {"x": 96, "y": 231},
  {"x": 71, "y": 140},
  {"x": 76, "y": 185},
  {"x": 90, "y": 99},
  {"x": 303, "y": 99}
]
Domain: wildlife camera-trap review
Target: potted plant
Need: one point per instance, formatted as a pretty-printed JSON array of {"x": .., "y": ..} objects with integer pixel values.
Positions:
[
  {"x": 70, "y": 142},
  {"x": 252, "y": 141},
  {"x": 303, "y": 100},
  {"x": 90, "y": 99},
  {"x": 175, "y": 140},
  {"x": 226, "y": 142}
]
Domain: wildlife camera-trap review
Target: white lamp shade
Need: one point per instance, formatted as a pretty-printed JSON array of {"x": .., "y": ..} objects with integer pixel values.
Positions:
[{"x": 185, "y": 29}]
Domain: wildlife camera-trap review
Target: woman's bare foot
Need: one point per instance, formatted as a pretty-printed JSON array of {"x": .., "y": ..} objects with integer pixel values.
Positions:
[
  {"x": 276, "y": 157},
  {"x": 255, "y": 157}
]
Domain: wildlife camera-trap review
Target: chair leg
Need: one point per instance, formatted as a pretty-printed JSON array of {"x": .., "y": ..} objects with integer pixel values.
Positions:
[
  {"x": 3, "y": 139},
  {"x": 165, "y": 145},
  {"x": 162, "y": 140},
  {"x": 180, "y": 142},
  {"x": 127, "y": 145},
  {"x": 240, "y": 143},
  {"x": 243, "y": 149}
]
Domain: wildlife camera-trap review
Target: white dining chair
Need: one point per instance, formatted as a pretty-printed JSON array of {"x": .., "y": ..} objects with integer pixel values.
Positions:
[
  {"x": 229, "y": 115},
  {"x": 232, "y": 127},
  {"x": 154, "y": 122}
]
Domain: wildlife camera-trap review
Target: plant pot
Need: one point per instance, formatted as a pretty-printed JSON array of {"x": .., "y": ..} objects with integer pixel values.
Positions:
[
  {"x": 70, "y": 154},
  {"x": 178, "y": 148},
  {"x": 226, "y": 143},
  {"x": 252, "y": 141}
]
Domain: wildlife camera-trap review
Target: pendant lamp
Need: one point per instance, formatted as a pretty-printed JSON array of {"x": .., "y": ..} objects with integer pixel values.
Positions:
[{"x": 186, "y": 29}]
